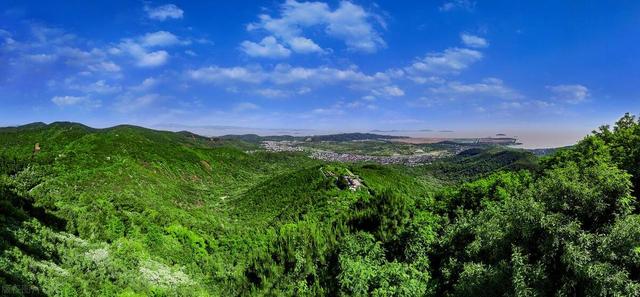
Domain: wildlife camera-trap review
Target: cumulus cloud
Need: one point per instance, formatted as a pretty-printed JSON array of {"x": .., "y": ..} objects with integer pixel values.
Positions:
[
  {"x": 573, "y": 94},
  {"x": 160, "y": 38},
  {"x": 452, "y": 60},
  {"x": 473, "y": 41},
  {"x": 164, "y": 12},
  {"x": 267, "y": 48},
  {"x": 144, "y": 57},
  {"x": 304, "y": 45},
  {"x": 146, "y": 50},
  {"x": 348, "y": 22}
]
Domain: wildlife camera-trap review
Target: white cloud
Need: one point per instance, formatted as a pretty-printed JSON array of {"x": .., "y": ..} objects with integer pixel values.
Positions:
[
  {"x": 458, "y": 4},
  {"x": 489, "y": 88},
  {"x": 473, "y": 41},
  {"x": 146, "y": 84},
  {"x": 233, "y": 74},
  {"x": 529, "y": 105},
  {"x": 100, "y": 87},
  {"x": 94, "y": 60},
  {"x": 423, "y": 102},
  {"x": 106, "y": 66},
  {"x": 304, "y": 45},
  {"x": 161, "y": 13},
  {"x": 281, "y": 93},
  {"x": 303, "y": 90},
  {"x": 58, "y": 56},
  {"x": 514, "y": 105},
  {"x": 340, "y": 108},
  {"x": 542, "y": 104},
  {"x": 245, "y": 106},
  {"x": 54, "y": 45},
  {"x": 152, "y": 59},
  {"x": 573, "y": 94},
  {"x": 42, "y": 58},
  {"x": 5, "y": 33},
  {"x": 272, "y": 93},
  {"x": 49, "y": 35},
  {"x": 479, "y": 109},
  {"x": 283, "y": 74},
  {"x": 426, "y": 79},
  {"x": 452, "y": 60},
  {"x": 6, "y": 40},
  {"x": 160, "y": 38},
  {"x": 361, "y": 104},
  {"x": 389, "y": 91},
  {"x": 334, "y": 110},
  {"x": 144, "y": 58},
  {"x": 348, "y": 22},
  {"x": 68, "y": 100},
  {"x": 144, "y": 49},
  {"x": 267, "y": 48}
]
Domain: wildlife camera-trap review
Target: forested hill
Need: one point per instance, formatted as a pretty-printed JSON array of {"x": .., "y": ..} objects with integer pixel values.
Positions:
[{"x": 128, "y": 211}]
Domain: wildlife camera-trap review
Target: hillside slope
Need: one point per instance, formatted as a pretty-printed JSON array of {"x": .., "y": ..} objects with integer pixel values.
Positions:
[{"x": 128, "y": 211}]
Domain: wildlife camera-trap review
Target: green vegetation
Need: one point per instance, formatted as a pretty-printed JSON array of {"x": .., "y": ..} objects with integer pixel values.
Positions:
[{"x": 128, "y": 211}]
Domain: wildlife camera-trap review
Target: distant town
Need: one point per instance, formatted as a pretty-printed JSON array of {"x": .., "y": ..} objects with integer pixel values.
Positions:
[{"x": 420, "y": 151}]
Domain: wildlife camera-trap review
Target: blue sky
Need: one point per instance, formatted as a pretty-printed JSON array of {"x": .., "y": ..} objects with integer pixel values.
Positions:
[{"x": 340, "y": 66}]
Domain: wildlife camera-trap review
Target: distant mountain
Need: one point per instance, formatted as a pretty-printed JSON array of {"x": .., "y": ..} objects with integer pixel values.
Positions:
[
  {"x": 257, "y": 138},
  {"x": 331, "y": 137},
  {"x": 354, "y": 136}
]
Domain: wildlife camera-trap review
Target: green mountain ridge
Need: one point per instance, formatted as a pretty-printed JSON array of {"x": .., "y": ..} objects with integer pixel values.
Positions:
[{"x": 130, "y": 211}]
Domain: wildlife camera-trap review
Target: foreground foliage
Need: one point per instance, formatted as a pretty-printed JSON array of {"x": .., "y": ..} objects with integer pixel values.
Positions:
[{"x": 127, "y": 211}]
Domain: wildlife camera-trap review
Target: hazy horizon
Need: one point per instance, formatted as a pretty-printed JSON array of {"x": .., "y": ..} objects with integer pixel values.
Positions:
[{"x": 529, "y": 139}]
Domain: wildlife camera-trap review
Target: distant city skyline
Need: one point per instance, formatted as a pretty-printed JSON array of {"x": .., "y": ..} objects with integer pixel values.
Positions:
[{"x": 548, "y": 71}]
